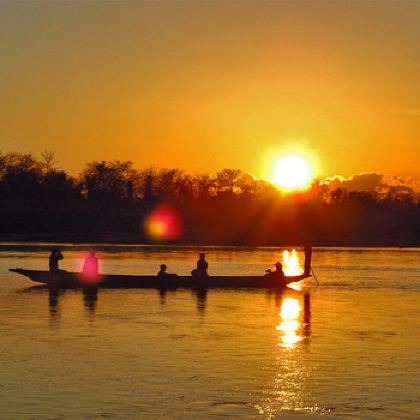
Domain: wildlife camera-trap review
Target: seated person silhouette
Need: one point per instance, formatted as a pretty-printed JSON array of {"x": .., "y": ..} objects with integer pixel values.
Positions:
[
  {"x": 163, "y": 274},
  {"x": 279, "y": 270},
  {"x": 278, "y": 273},
  {"x": 202, "y": 267}
]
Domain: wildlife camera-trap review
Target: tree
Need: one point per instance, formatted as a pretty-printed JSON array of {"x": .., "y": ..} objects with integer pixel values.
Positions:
[
  {"x": 226, "y": 179},
  {"x": 203, "y": 185},
  {"x": 20, "y": 175},
  {"x": 48, "y": 161},
  {"x": 109, "y": 180}
]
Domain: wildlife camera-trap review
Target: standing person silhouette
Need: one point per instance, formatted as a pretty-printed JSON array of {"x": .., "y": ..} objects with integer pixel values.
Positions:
[
  {"x": 308, "y": 258},
  {"x": 202, "y": 264},
  {"x": 55, "y": 256}
]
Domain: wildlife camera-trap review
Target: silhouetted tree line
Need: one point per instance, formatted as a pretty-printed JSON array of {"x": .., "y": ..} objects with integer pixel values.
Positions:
[{"x": 109, "y": 201}]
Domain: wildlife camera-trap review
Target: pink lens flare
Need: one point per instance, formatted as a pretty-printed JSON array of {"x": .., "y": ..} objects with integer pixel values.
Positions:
[
  {"x": 163, "y": 223},
  {"x": 89, "y": 266}
]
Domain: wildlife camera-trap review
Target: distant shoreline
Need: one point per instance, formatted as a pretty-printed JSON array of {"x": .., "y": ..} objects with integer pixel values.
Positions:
[{"x": 45, "y": 240}]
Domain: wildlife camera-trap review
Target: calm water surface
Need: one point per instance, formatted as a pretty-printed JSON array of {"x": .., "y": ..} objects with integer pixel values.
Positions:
[{"x": 349, "y": 348}]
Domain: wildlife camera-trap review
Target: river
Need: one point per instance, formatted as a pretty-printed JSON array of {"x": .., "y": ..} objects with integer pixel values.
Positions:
[{"x": 349, "y": 347}]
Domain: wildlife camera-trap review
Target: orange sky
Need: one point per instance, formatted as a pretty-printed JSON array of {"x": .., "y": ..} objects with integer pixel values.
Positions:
[{"x": 207, "y": 85}]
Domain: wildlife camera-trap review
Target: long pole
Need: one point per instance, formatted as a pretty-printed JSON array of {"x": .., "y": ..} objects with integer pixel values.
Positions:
[{"x": 313, "y": 272}]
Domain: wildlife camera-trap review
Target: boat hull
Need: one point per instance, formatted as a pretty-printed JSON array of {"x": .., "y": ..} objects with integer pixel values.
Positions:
[{"x": 67, "y": 279}]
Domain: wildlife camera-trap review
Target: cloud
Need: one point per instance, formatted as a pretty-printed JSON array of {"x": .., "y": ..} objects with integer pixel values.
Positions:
[
  {"x": 362, "y": 182},
  {"x": 365, "y": 181},
  {"x": 403, "y": 184},
  {"x": 247, "y": 180},
  {"x": 374, "y": 182}
]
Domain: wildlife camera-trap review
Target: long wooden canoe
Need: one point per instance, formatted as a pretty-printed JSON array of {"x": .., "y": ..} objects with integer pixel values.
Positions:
[{"x": 67, "y": 279}]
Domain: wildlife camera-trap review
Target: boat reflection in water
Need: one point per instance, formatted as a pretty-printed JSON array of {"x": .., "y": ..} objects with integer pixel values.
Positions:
[
  {"x": 90, "y": 299},
  {"x": 53, "y": 304},
  {"x": 201, "y": 296},
  {"x": 289, "y": 389},
  {"x": 162, "y": 295}
]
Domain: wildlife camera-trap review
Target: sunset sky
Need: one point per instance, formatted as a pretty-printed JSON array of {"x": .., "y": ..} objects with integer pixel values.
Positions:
[{"x": 206, "y": 85}]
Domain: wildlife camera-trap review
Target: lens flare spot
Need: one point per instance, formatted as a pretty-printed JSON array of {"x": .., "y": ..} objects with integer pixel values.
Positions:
[
  {"x": 88, "y": 265},
  {"x": 163, "y": 224}
]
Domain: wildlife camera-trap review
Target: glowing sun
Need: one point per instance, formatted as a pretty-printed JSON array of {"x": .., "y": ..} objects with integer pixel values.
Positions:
[{"x": 292, "y": 172}]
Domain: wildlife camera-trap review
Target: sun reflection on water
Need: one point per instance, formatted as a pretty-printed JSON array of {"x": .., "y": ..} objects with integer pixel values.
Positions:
[
  {"x": 289, "y": 391},
  {"x": 289, "y": 324},
  {"x": 291, "y": 263},
  {"x": 295, "y": 286}
]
